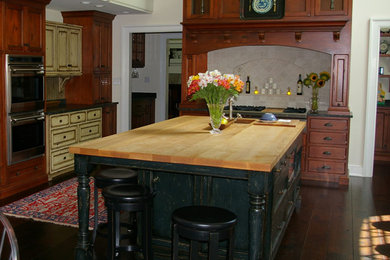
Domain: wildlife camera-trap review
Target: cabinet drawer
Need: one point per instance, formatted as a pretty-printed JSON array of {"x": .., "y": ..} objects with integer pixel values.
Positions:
[
  {"x": 90, "y": 131},
  {"x": 25, "y": 169},
  {"x": 324, "y": 166},
  {"x": 59, "y": 120},
  {"x": 77, "y": 117},
  {"x": 280, "y": 187},
  {"x": 328, "y": 138},
  {"x": 63, "y": 137},
  {"x": 94, "y": 114},
  {"x": 60, "y": 160},
  {"x": 327, "y": 152},
  {"x": 328, "y": 124}
]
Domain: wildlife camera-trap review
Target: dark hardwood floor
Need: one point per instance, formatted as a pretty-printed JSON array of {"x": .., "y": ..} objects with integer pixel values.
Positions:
[{"x": 334, "y": 224}]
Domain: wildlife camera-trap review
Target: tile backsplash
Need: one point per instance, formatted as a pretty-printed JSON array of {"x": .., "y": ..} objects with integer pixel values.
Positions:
[{"x": 282, "y": 64}]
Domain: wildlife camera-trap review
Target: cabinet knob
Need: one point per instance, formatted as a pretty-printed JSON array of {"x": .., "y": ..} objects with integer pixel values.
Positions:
[
  {"x": 328, "y": 124},
  {"x": 328, "y": 138},
  {"x": 64, "y": 137},
  {"x": 90, "y": 130},
  {"x": 17, "y": 173},
  {"x": 69, "y": 65},
  {"x": 60, "y": 121},
  {"x": 78, "y": 117},
  {"x": 156, "y": 179},
  {"x": 326, "y": 167},
  {"x": 64, "y": 157},
  {"x": 327, "y": 153}
]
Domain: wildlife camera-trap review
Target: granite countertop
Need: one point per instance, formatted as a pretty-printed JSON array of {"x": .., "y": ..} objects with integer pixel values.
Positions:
[{"x": 63, "y": 107}]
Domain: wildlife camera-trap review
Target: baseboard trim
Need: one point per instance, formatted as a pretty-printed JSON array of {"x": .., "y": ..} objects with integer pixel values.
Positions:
[{"x": 356, "y": 170}]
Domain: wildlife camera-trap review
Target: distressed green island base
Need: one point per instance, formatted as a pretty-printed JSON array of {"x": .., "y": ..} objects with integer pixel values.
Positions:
[{"x": 256, "y": 179}]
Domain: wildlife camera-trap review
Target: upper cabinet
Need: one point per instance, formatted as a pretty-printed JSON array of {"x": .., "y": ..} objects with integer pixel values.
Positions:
[
  {"x": 63, "y": 49},
  {"x": 102, "y": 48},
  {"x": 25, "y": 26},
  {"x": 293, "y": 10}
]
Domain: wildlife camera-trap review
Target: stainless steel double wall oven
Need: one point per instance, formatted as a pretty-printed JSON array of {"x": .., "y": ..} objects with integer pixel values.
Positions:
[{"x": 25, "y": 107}]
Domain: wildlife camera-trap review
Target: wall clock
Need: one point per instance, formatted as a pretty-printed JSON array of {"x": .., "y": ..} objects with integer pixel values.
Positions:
[{"x": 262, "y": 9}]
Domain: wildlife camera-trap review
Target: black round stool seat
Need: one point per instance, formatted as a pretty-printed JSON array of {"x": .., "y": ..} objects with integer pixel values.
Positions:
[
  {"x": 104, "y": 178},
  {"x": 127, "y": 193},
  {"x": 134, "y": 199},
  {"x": 203, "y": 224},
  {"x": 117, "y": 175},
  {"x": 204, "y": 217}
]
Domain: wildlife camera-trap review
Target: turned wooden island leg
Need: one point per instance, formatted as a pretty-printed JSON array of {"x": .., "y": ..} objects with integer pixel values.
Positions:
[{"x": 83, "y": 248}]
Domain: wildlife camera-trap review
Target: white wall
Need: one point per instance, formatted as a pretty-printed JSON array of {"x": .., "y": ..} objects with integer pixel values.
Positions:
[
  {"x": 362, "y": 12},
  {"x": 166, "y": 17}
]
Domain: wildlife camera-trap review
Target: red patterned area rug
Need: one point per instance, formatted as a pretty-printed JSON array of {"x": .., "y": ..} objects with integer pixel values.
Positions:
[{"x": 57, "y": 204}]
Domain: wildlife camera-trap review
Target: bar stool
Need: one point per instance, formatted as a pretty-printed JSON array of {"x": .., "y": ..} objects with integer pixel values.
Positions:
[
  {"x": 130, "y": 198},
  {"x": 203, "y": 224},
  {"x": 104, "y": 178}
]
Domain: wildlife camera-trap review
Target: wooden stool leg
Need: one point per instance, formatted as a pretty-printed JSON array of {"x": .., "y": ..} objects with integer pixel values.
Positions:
[
  {"x": 175, "y": 243},
  {"x": 213, "y": 246},
  {"x": 231, "y": 245},
  {"x": 147, "y": 234},
  {"x": 194, "y": 250},
  {"x": 96, "y": 210},
  {"x": 117, "y": 232}
]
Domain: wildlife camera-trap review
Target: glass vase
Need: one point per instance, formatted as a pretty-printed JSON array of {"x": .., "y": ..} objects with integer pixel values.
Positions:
[
  {"x": 314, "y": 101},
  {"x": 216, "y": 113}
]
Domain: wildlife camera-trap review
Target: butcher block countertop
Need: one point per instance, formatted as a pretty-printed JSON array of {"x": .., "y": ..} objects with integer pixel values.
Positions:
[{"x": 186, "y": 140}]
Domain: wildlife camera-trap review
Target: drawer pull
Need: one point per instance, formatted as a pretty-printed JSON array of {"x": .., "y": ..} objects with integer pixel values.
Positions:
[
  {"x": 78, "y": 117},
  {"x": 60, "y": 120},
  {"x": 64, "y": 158},
  {"x": 64, "y": 137},
  {"x": 327, "y": 153},
  {"x": 94, "y": 114},
  {"x": 326, "y": 167},
  {"x": 90, "y": 131},
  {"x": 328, "y": 138},
  {"x": 281, "y": 192},
  {"x": 17, "y": 173},
  {"x": 328, "y": 124}
]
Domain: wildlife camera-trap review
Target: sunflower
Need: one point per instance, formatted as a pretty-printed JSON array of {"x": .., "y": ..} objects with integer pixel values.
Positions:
[
  {"x": 313, "y": 77},
  {"x": 325, "y": 75},
  {"x": 320, "y": 83}
]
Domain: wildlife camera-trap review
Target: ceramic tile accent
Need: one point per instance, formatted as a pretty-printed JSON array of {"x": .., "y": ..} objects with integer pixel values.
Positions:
[{"x": 282, "y": 64}]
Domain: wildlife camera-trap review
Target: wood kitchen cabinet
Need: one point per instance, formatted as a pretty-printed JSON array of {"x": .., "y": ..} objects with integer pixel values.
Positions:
[
  {"x": 327, "y": 149},
  {"x": 65, "y": 129},
  {"x": 63, "y": 49},
  {"x": 109, "y": 115},
  {"x": 25, "y": 28},
  {"x": 382, "y": 134},
  {"x": 96, "y": 58},
  {"x": 230, "y": 9}
]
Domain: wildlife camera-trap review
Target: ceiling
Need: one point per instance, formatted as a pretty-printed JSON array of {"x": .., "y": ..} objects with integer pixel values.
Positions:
[{"x": 108, "y": 6}]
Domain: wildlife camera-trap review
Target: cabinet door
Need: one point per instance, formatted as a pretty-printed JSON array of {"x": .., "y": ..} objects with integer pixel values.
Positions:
[
  {"x": 379, "y": 131},
  {"x": 74, "y": 52},
  {"x": 297, "y": 8},
  {"x": 51, "y": 57},
  {"x": 331, "y": 7},
  {"x": 228, "y": 8},
  {"x": 33, "y": 29},
  {"x": 109, "y": 120},
  {"x": 102, "y": 47},
  {"x": 198, "y": 9},
  {"x": 14, "y": 28},
  {"x": 62, "y": 48},
  {"x": 105, "y": 88},
  {"x": 386, "y": 133}
]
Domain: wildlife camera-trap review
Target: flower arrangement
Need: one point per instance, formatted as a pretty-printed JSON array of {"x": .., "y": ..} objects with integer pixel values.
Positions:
[
  {"x": 215, "y": 88},
  {"x": 316, "y": 82}
]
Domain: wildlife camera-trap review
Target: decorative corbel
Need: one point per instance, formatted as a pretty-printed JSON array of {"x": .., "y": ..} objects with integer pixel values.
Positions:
[
  {"x": 336, "y": 36},
  {"x": 298, "y": 36},
  {"x": 227, "y": 38},
  {"x": 262, "y": 37},
  {"x": 61, "y": 83},
  {"x": 194, "y": 38}
]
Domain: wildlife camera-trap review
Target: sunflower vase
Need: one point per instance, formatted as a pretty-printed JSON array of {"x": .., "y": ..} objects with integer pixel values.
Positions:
[{"x": 314, "y": 101}]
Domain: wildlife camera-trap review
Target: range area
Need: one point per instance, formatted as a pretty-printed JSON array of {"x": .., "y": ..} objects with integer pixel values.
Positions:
[{"x": 258, "y": 111}]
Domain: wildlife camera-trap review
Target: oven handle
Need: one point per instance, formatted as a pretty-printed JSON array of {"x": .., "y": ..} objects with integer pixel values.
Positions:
[
  {"x": 37, "y": 70},
  {"x": 26, "y": 119}
]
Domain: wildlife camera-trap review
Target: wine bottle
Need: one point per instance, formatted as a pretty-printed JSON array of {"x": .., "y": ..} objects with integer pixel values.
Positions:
[
  {"x": 248, "y": 86},
  {"x": 299, "y": 85}
]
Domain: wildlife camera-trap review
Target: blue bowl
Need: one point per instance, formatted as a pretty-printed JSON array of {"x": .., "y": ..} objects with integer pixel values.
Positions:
[{"x": 268, "y": 117}]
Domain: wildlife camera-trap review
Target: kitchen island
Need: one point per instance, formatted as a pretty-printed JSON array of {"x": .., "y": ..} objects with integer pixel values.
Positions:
[{"x": 250, "y": 169}]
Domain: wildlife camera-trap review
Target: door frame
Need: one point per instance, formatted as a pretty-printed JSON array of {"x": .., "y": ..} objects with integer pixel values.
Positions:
[{"x": 371, "y": 94}]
